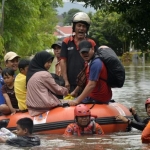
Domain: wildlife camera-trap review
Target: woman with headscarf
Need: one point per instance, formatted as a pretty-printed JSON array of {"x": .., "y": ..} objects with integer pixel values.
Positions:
[{"x": 41, "y": 85}]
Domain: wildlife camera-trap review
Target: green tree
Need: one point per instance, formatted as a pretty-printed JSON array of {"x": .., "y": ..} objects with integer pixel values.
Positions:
[
  {"x": 1, "y": 48},
  {"x": 105, "y": 31},
  {"x": 68, "y": 16},
  {"x": 29, "y": 25},
  {"x": 135, "y": 12}
]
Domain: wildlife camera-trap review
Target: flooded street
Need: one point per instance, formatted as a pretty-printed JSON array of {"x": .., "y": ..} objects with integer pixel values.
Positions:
[{"x": 134, "y": 93}]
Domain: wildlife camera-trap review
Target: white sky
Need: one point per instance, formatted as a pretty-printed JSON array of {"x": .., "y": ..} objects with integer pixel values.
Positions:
[{"x": 74, "y": 2}]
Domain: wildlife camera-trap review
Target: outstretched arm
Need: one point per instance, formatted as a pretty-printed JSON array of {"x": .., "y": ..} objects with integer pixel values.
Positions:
[{"x": 88, "y": 89}]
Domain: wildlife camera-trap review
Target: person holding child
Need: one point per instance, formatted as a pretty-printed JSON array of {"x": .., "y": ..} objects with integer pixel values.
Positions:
[
  {"x": 24, "y": 135},
  {"x": 11, "y": 103},
  {"x": 11, "y": 60},
  {"x": 41, "y": 86},
  {"x": 20, "y": 84}
]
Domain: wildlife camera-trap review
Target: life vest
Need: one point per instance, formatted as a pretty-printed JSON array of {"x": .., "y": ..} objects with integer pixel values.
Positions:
[
  {"x": 90, "y": 129},
  {"x": 146, "y": 134}
]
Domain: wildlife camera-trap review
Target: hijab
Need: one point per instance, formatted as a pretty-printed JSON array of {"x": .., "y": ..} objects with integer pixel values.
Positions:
[{"x": 38, "y": 62}]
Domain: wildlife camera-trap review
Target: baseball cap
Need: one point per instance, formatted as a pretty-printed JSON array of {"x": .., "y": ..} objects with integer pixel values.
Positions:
[
  {"x": 59, "y": 43},
  {"x": 84, "y": 46},
  {"x": 10, "y": 55}
]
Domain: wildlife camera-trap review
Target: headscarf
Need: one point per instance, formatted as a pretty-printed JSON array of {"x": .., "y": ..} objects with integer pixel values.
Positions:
[{"x": 37, "y": 63}]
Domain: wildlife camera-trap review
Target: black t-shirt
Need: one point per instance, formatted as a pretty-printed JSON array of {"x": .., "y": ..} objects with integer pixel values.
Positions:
[
  {"x": 24, "y": 141},
  {"x": 11, "y": 94},
  {"x": 75, "y": 63}
]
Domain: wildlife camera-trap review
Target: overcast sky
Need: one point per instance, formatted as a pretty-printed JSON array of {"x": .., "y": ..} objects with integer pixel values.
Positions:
[
  {"x": 68, "y": 5},
  {"x": 74, "y": 2}
]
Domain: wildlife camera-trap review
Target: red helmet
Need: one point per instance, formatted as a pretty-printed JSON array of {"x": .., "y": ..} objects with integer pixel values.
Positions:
[
  {"x": 147, "y": 102},
  {"x": 82, "y": 110}
]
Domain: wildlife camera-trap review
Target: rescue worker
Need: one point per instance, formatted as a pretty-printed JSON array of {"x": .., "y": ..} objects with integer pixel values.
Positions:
[
  {"x": 84, "y": 123},
  {"x": 145, "y": 137},
  {"x": 138, "y": 123}
]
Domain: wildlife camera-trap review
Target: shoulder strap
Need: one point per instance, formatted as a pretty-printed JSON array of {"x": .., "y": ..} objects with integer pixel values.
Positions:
[
  {"x": 94, "y": 127},
  {"x": 94, "y": 57}
]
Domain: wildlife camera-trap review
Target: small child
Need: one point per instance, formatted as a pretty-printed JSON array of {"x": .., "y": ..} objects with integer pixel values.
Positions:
[
  {"x": 11, "y": 104},
  {"x": 24, "y": 135},
  {"x": 20, "y": 84},
  {"x": 84, "y": 124}
]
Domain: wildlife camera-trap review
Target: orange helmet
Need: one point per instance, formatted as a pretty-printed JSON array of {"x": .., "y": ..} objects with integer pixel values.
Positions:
[
  {"x": 82, "y": 110},
  {"x": 147, "y": 102}
]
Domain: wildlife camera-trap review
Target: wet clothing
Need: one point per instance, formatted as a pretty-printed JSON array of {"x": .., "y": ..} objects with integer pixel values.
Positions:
[
  {"x": 139, "y": 124},
  {"x": 24, "y": 141},
  {"x": 146, "y": 134},
  {"x": 92, "y": 128},
  {"x": 95, "y": 71},
  {"x": 21, "y": 91},
  {"x": 11, "y": 94},
  {"x": 75, "y": 63}
]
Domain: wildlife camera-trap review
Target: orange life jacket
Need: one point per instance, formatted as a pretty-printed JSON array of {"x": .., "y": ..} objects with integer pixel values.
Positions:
[{"x": 146, "y": 134}]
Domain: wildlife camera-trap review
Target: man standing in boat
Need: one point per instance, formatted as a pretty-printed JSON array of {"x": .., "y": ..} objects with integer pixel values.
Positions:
[
  {"x": 71, "y": 61},
  {"x": 96, "y": 89}
]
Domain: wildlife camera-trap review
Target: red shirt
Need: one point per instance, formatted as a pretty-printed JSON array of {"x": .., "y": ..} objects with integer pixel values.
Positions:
[{"x": 96, "y": 71}]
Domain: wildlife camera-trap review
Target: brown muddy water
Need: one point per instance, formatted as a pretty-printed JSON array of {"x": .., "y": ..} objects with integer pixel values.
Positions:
[{"x": 134, "y": 93}]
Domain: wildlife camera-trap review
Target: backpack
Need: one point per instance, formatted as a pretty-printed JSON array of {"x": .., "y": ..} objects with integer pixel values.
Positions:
[{"x": 115, "y": 69}]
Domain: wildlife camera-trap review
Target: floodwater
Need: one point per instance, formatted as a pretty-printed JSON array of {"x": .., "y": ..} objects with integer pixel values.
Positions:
[{"x": 134, "y": 93}]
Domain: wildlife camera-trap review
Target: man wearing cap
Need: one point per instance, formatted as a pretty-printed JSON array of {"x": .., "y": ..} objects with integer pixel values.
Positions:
[
  {"x": 57, "y": 49},
  {"x": 96, "y": 89},
  {"x": 11, "y": 60}
]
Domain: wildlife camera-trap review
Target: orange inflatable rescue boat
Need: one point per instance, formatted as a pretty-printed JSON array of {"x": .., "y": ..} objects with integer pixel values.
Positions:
[{"x": 56, "y": 120}]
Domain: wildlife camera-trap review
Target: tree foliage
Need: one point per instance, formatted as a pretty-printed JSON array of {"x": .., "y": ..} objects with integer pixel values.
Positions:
[
  {"x": 29, "y": 25},
  {"x": 134, "y": 12},
  {"x": 105, "y": 31}
]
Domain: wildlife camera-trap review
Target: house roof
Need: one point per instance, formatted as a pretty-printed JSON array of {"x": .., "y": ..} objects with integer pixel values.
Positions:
[{"x": 63, "y": 31}]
